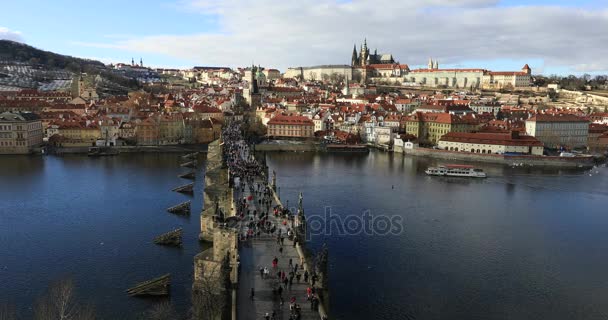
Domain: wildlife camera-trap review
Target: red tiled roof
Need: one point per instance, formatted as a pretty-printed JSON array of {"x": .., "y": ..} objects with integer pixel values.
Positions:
[
  {"x": 442, "y": 118},
  {"x": 597, "y": 128},
  {"x": 206, "y": 109},
  {"x": 556, "y": 118},
  {"x": 447, "y": 70},
  {"x": 291, "y": 120},
  {"x": 507, "y": 73}
]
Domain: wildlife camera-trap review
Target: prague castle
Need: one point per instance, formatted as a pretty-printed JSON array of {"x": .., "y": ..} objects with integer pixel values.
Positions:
[
  {"x": 366, "y": 58},
  {"x": 374, "y": 67}
]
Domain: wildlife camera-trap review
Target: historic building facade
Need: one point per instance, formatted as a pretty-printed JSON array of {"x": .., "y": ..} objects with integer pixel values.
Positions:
[
  {"x": 430, "y": 127},
  {"x": 366, "y": 58},
  {"x": 564, "y": 130},
  {"x": 491, "y": 143},
  {"x": 285, "y": 126},
  {"x": 374, "y": 67},
  {"x": 19, "y": 132}
]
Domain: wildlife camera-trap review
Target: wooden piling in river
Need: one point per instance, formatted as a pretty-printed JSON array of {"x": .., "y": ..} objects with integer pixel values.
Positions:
[
  {"x": 188, "y": 188},
  {"x": 189, "y": 175},
  {"x": 190, "y": 155},
  {"x": 171, "y": 238},
  {"x": 189, "y": 164},
  {"x": 182, "y": 208},
  {"x": 154, "y": 287}
]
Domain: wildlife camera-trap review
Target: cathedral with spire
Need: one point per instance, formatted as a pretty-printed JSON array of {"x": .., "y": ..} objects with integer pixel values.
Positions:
[
  {"x": 366, "y": 58},
  {"x": 366, "y": 66}
]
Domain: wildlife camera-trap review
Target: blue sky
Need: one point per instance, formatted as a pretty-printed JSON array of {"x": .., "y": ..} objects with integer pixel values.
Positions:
[{"x": 551, "y": 36}]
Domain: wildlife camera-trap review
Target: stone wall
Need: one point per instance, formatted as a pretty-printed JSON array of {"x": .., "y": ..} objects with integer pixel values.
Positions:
[
  {"x": 294, "y": 147},
  {"x": 564, "y": 162},
  {"x": 217, "y": 195}
]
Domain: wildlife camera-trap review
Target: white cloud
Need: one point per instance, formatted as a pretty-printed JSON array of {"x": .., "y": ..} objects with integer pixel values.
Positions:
[
  {"x": 8, "y": 34},
  {"x": 307, "y": 32},
  {"x": 591, "y": 67}
]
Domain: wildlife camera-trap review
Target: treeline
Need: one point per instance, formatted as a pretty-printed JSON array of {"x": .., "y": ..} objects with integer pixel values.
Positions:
[
  {"x": 19, "y": 52},
  {"x": 575, "y": 83},
  {"x": 15, "y": 51}
]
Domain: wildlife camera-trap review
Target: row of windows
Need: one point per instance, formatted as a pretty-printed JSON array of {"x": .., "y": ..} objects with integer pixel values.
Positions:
[
  {"x": 13, "y": 144},
  {"x": 292, "y": 127},
  {"x": 5, "y": 127}
]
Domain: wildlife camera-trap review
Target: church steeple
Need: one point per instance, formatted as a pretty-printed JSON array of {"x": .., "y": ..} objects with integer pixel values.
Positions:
[
  {"x": 141, "y": 62},
  {"x": 430, "y": 65},
  {"x": 364, "y": 53},
  {"x": 355, "y": 59},
  {"x": 436, "y": 65},
  {"x": 132, "y": 61}
]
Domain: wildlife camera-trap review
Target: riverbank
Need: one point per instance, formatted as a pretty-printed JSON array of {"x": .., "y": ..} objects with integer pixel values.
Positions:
[
  {"x": 515, "y": 160},
  {"x": 289, "y": 146},
  {"x": 133, "y": 149}
]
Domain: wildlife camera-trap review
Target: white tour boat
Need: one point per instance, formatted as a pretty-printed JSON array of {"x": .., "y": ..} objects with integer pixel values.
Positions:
[{"x": 456, "y": 170}]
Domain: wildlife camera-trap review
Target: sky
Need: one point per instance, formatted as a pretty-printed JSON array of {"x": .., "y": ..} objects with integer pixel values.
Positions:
[{"x": 552, "y": 36}]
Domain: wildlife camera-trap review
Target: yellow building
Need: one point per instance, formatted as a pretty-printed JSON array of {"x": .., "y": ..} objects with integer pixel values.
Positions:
[
  {"x": 171, "y": 129},
  {"x": 78, "y": 133},
  {"x": 430, "y": 127},
  {"x": 19, "y": 132}
]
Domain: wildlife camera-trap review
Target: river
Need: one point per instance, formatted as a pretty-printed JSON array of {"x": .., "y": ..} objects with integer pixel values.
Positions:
[
  {"x": 521, "y": 244},
  {"x": 94, "y": 219}
]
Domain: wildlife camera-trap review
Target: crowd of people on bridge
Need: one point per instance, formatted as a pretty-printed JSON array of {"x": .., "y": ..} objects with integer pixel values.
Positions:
[{"x": 260, "y": 218}]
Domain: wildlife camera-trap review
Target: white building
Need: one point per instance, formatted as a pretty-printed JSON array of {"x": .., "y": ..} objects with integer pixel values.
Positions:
[
  {"x": 491, "y": 143},
  {"x": 383, "y": 135},
  {"x": 320, "y": 72},
  {"x": 480, "y": 108},
  {"x": 559, "y": 130},
  {"x": 406, "y": 105}
]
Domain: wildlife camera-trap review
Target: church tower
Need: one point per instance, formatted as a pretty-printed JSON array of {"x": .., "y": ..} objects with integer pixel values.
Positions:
[
  {"x": 132, "y": 61},
  {"x": 77, "y": 86},
  {"x": 430, "y": 65},
  {"x": 355, "y": 59},
  {"x": 141, "y": 62},
  {"x": 436, "y": 65},
  {"x": 364, "y": 53},
  {"x": 253, "y": 82}
]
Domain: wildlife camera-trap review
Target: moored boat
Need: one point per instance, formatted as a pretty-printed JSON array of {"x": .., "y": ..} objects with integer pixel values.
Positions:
[{"x": 456, "y": 170}]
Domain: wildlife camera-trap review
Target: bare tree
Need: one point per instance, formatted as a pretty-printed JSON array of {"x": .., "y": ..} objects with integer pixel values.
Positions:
[
  {"x": 211, "y": 294},
  {"x": 7, "y": 312},
  {"x": 59, "y": 304}
]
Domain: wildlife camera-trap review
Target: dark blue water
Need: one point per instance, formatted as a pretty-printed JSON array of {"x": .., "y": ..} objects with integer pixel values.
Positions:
[
  {"x": 521, "y": 244},
  {"x": 94, "y": 219}
]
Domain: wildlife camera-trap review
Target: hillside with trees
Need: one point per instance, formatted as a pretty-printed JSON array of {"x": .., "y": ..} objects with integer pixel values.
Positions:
[{"x": 15, "y": 52}]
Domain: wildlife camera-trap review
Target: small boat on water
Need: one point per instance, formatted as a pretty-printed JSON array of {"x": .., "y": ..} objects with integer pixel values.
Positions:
[{"x": 456, "y": 170}]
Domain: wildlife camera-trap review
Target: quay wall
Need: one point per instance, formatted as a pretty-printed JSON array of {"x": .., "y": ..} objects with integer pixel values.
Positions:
[
  {"x": 135, "y": 149},
  {"x": 303, "y": 147},
  {"x": 550, "y": 161}
]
